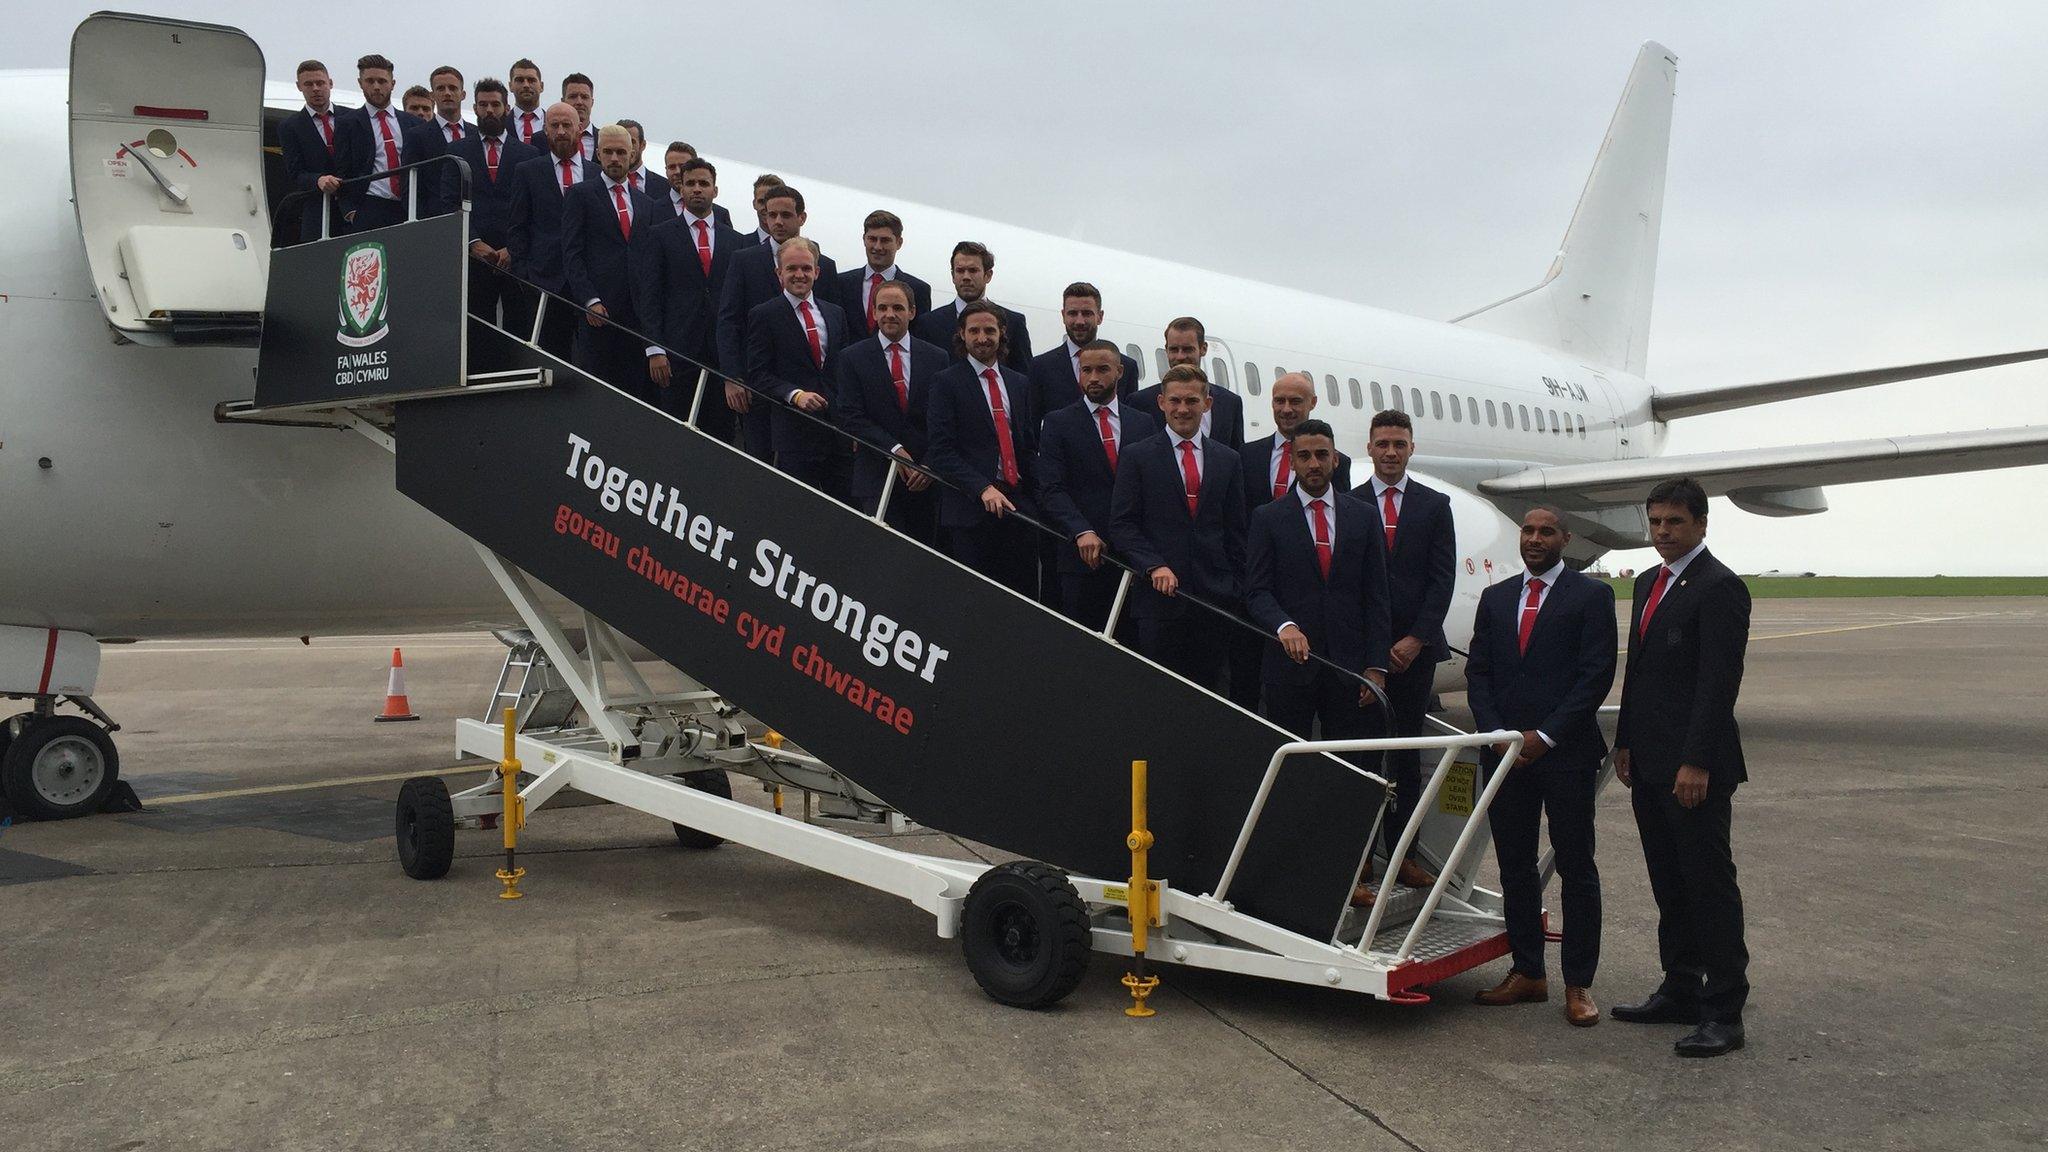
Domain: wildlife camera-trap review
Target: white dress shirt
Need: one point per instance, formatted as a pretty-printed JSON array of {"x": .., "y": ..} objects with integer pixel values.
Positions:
[
  {"x": 1379, "y": 493},
  {"x": 1116, "y": 420},
  {"x": 382, "y": 121},
  {"x": 515, "y": 124},
  {"x": 447, "y": 127},
  {"x": 586, "y": 144},
  {"x": 817, "y": 320},
  {"x": 1175, "y": 440},
  {"x": 867, "y": 285},
  {"x": 1329, "y": 502},
  {"x": 1279, "y": 470},
  {"x": 1678, "y": 566},
  {"x": 904, "y": 346},
  {"x": 1001, "y": 384},
  {"x": 1549, "y": 579}
]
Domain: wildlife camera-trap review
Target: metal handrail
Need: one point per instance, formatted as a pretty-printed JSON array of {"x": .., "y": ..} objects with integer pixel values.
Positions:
[{"x": 412, "y": 193}]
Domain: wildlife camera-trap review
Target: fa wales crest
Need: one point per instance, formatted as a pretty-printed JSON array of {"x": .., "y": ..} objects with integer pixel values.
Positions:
[{"x": 365, "y": 295}]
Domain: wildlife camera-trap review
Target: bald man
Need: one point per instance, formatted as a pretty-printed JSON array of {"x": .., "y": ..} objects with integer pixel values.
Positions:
[
  {"x": 538, "y": 186},
  {"x": 605, "y": 228}
]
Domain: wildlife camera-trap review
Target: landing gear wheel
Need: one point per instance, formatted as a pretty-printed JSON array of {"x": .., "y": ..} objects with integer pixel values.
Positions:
[
  {"x": 426, "y": 828},
  {"x": 59, "y": 767},
  {"x": 1025, "y": 934},
  {"x": 716, "y": 782}
]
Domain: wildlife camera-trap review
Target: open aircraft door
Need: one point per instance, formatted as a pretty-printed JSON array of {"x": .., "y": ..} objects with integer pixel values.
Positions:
[{"x": 167, "y": 176}]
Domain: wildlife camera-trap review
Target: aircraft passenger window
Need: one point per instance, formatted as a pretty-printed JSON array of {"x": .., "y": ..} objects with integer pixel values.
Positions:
[
  {"x": 1415, "y": 401},
  {"x": 1161, "y": 353},
  {"x": 1330, "y": 384},
  {"x": 1251, "y": 378},
  {"x": 1554, "y": 429},
  {"x": 1436, "y": 404},
  {"x": 1472, "y": 407},
  {"x": 1398, "y": 407},
  {"x": 1219, "y": 372},
  {"x": 1539, "y": 419},
  {"x": 1379, "y": 397},
  {"x": 1524, "y": 410},
  {"x": 1491, "y": 421},
  {"x": 1582, "y": 427},
  {"x": 1137, "y": 356},
  {"x": 1457, "y": 413},
  {"x": 1357, "y": 393}
]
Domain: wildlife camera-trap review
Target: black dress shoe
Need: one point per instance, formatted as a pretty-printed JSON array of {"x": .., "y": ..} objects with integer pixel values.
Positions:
[
  {"x": 1711, "y": 1039},
  {"x": 1660, "y": 1008}
]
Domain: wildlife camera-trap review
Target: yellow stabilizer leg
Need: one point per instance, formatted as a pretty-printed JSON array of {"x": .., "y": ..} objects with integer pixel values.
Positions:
[{"x": 515, "y": 811}]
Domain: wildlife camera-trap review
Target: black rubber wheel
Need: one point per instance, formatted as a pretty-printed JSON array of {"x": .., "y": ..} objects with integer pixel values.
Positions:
[
  {"x": 426, "y": 828},
  {"x": 1025, "y": 934},
  {"x": 716, "y": 782},
  {"x": 59, "y": 767}
]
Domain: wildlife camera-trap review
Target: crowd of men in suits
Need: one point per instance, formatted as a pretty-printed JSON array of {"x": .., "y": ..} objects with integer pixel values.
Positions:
[{"x": 842, "y": 377}]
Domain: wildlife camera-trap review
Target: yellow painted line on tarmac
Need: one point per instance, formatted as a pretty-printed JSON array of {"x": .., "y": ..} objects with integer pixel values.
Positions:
[
  {"x": 1860, "y": 627},
  {"x": 272, "y": 789}
]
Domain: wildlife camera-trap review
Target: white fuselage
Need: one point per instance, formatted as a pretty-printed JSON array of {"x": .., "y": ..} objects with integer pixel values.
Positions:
[{"x": 151, "y": 519}]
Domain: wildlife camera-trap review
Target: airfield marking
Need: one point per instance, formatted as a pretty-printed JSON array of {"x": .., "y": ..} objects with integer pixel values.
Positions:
[
  {"x": 295, "y": 647},
  {"x": 269, "y": 789}
]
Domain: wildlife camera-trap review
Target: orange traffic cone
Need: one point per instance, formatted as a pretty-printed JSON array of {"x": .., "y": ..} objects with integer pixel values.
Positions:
[{"x": 395, "y": 705}]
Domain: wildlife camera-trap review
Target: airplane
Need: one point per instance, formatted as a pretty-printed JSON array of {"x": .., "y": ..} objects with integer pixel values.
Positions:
[{"x": 132, "y": 512}]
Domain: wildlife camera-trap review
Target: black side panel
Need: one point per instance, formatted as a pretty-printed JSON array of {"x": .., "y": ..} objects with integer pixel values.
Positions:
[{"x": 1020, "y": 735}]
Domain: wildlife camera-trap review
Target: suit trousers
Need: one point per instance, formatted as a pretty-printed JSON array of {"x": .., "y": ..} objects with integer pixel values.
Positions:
[
  {"x": 1247, "y": 666},
  {"x": 485, "y": 292},
  {"x": 714, "y": 418},
  {"x": 616, "y": 357},
  {"x": 915, "y": 514},
  {"x": 1004, "y": 550},
  {"x": 557, "y": 328},
  {"x": 1561, "y": 791},
  {"x": 1699, "y": 904},
  {"x": 1330, "y": 697},
  {"x": 757, "y": 428},
  {"x": 826, "y": 471},
  {"x": 1409, "y": 693},
  {"x": 1194, "y": 644},
  {"x": 1087, "y": 597},
  {"x": 377, "y": 212}
]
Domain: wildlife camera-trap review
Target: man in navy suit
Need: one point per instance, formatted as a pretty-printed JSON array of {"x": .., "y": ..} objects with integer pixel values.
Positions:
[
  {"x": 578, "y": 93},
  {"x": 442, "y": 129},
  {"x": 643, "y": 179},
  {"x": 1678, "y": 750},
  {"x": 1316, "y": 581},
  {"x": 418, "y": 102},
  {"x": 676, "y": 290},
  {"x": 315, "y": 146},
  {"x": 599, "y": 247},
  {"x": 492, "y": 154},
  {"x": 758, "y": 233},
  {"x": 983, "y": 441},
  {"x": 538, "y": 187},
  {"x": 794, "y": 342},
  {"x": 1422, "y": 554},
  {"x": 527, "y": 118},
  {"x": 385, "y": 139},
  {"x": 673, "y": 159},
  {"x": 973, "y": 267},
  {"x": 1177, "y": 514},
  {"x": 750, "y": 282},
  {"x": 1187, "y": 342},
  {"x": 449, "y": 90},
  {"x": 1079, "y": 448},
  {"x": 881, "y": 236},
  {"x": 1056, "y": 374},
  {"x": 1541, "y": 662},
  {"x": 884, "y": 384}
]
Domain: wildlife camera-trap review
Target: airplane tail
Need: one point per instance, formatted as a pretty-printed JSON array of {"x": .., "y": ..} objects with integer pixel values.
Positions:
[{"x": 1595, "y": 300}]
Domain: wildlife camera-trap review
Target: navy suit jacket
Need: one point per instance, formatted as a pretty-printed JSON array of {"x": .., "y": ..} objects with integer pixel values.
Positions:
[
  {"x": 537, "y": 221},
  {"x": 779, "y": 363},
  {"x": 962, "y": 441},
  {"x": 490, "y": 201},
  {"x": 1149, "y": 522},
  {"x": 674, "y": 297},
  {"x": 1344, "y": 616},
  {"x": 597, "y": 258},
  {"x": 939, "y": 324},
  {"x": 1684, "y": 673},
  {"x": 514, "y": 129},
  {"x": 853, "y": 290},
  {"x": 1258, "y": 473},
  {"x": 306, "y": 159},
  {"x": 1422, "y": 569},
  {"x": 1075, "y": 483},
  {"x": 748, "y": 282},
  {"x": 866, "y": 406},
  {"x": 1558, "y": 685},
  {"x": 1226, "y": 412},
  {"x": 1054, "y": 385}
]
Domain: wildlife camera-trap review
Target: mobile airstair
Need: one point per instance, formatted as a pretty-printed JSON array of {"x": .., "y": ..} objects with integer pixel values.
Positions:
[{"x": 821, "y": 651}]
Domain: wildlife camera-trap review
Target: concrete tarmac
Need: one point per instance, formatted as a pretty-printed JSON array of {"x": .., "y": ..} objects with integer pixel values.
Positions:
[{"x": 244, "y": 966}]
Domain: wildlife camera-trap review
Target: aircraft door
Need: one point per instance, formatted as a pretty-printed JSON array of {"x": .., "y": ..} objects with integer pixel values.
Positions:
[{"x": 167, "y": 177}]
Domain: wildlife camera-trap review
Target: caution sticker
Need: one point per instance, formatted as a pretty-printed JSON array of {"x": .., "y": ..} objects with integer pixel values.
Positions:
[
  {"x": 1455, "y": 798},
  {"x": 1116, "y": 892}
]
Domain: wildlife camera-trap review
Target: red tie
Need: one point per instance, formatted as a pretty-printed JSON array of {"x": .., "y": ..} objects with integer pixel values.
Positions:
[
  {"x": 455, "y": 131},
  {"x": 1656, "y": 597},
  {"x": 1281, "y": 473},
  {"x": 874, "y": 285},
  {"x": 1529, "y": 607},
  {"x": 896, "y": 374},
  {"x": 1004, "y": 444},
  {"x": 526, "y": 128},
  {"x": 803, "y": 308},
  {"x": 390, "y": 148},
  {"x": 1108, "y": 435},
  {"x": 704, "y": 247},
  {"x": 568, "y": 174},
  {"x": 1315, "y": 511},
  {"x": 1389, "y": 516},
  {"x": 633, "y": 178},
  {"x": 491, "y": 157},
  {"x": 625, "y": 217},
  {"x": 1191, "y": 477},
  {"x": 326, "y": 131}
]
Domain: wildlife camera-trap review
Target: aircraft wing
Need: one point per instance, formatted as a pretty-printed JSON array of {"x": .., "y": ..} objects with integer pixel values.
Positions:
[{"x": 1753, "y": 475}]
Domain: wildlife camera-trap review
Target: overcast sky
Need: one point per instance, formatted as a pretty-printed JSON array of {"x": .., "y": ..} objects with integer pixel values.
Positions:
[{"x": 1848, "y": 187}]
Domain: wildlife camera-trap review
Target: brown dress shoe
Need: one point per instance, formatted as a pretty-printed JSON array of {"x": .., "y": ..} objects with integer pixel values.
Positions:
[
  {"x": 1516, "y": 989},
  {"x": 1415, "y": 875},
  {"x": 1579, "y": 1007},
  {"x": 1361, "y": 896}
]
